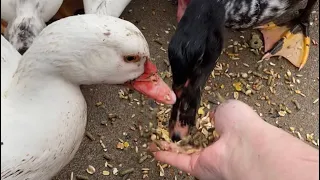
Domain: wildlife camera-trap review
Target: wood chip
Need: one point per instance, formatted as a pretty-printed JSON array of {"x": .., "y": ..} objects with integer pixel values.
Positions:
[
  {"x": 158, "y": 42},
  {"x": 115, "y": 171},
  {"x": 298, "y": 107},
  {"x": 99, "y": 104},
  {"x": 107, "y": 157},
  {"x": 300, "y": 93},
  {"x": 126, "y": 171},
  {"x": 315, "y": 101},
  {"x": 143, "y": 158},
  {"x": 245, "y": 64},
  {"x": 282, "y": 113},
  {"x": 161, "y": 173},
  {"x": 236, "y": 95},
  {"x": 90, "y": 136},
  {"x": 292, "y": 129},
  {"x": 299, "y": 136},
  {"x": 310, "y": 137}
]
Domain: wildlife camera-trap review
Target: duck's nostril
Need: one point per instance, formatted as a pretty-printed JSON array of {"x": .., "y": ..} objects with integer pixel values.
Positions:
[
  {"x": 22, "y": 50},
  {"x": 176, "y": 137}
]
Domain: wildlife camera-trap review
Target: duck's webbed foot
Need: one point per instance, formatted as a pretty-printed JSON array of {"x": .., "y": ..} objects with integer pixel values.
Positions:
[{"x": 292, "y": 41}]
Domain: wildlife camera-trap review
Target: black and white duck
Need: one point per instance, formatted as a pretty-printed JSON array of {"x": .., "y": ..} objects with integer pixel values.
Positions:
[{"x": 198, "y": 42}]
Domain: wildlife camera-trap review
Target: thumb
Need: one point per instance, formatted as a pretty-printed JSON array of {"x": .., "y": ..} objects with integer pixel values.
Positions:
[
  {"x": 215, "y": 121},
  {"x": 234, "y": 114},
  {"x": 183, "y": 162},
  {"x": 170, "y": 155}
]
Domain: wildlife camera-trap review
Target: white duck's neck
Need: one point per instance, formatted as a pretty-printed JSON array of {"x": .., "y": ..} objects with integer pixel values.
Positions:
[
  {"x": 105, "y": 7},
  {"x": 40, "y": 67},
  {"x": 28, "y": 15},
  {"x": 28, "y": 9},
  {"x": 34, "y": 75}
]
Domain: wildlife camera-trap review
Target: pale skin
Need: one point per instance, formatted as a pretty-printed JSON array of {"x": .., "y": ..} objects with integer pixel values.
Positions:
[{"x": 248, "y": 149}]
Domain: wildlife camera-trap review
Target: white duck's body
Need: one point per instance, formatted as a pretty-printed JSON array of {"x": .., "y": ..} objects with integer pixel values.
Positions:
[
  {"x": 106, "y": 7},
  {"x": 43, "y": 112},
  {"x": 41, "y": 128},
  {"x": 26, "y": 19}
]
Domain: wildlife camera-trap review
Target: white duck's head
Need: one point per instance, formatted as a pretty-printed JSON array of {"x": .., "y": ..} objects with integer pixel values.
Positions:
[{"x": 93, "y": 49}]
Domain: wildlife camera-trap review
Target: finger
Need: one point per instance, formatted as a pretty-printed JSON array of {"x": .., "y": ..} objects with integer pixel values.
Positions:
[
  {"x": 153, "y": 147},
  {"x": 161, "y": 146},
  {"x": 166, "y": 146},
  {"x": 181, "y": 161},
  {"x": 211, "y": 114},
  {"x": 213, "y": 118},
  {"x": 233, "y": 114}
]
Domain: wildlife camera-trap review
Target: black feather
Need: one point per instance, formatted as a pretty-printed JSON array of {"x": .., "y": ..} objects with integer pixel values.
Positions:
[{"x": 193, "y": 53}]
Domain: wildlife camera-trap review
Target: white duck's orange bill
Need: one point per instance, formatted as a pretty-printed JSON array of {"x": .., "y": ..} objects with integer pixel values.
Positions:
[{"x": 152, "y": 85}]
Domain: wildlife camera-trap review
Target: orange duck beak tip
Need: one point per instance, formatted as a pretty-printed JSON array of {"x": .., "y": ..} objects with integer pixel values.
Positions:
[{"x": 153, "y": 86}]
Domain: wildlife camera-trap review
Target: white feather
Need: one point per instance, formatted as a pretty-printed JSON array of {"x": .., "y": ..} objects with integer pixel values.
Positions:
[
  {"x": 9, "y": 63},
  {"x": 106, "y": 7}
]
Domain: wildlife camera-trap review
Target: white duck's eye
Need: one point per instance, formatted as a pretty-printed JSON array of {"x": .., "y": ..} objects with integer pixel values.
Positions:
[{"x": 131, "y": 59}]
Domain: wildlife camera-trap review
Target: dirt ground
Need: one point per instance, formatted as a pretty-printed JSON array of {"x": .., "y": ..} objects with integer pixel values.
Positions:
[{"x": 156, "y": 19}]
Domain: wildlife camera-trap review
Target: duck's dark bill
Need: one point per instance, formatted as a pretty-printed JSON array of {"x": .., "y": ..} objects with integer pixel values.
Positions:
[{"x": 152, "y": 85}]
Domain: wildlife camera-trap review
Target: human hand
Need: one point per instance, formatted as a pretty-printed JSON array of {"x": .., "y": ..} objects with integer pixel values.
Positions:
[
  {"x": 209, "y": 163},
  {"x": 248, "y": 148}
]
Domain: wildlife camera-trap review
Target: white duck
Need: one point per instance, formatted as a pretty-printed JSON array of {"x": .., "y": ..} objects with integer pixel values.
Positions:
[
  {"x": 26, "y": 19},
  {"x": 105, "y": 7},
  {"x": 43, "y": 112}
]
